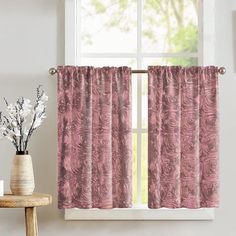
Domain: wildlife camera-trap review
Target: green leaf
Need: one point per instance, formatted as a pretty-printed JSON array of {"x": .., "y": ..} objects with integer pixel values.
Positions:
[
  {"x": 99, "y": 7},
  {"x": 185, "y": 39}
]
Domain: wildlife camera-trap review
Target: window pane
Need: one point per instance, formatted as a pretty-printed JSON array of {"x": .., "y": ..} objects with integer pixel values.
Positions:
[
  {"x": 144, "y": 101},
  {"x": 108, "y": 26},
  {"x": 144, "y": 164},
  {"x": 134, "y": 176},
  {"x": 134, "y": 101},
  {"x": 170, "y": 26},
  {"x": 85, "y": 61},
  {"x": 184, "y": 61}
]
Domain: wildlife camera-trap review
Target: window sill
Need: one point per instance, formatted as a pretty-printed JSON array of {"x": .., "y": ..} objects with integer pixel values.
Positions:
[{"x": 140, "y": 213}]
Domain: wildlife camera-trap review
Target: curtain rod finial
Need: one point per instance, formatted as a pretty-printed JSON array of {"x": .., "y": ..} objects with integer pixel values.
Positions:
[
  {"x": 52, "y": 71},
  {"x": 222, "y": 70}
]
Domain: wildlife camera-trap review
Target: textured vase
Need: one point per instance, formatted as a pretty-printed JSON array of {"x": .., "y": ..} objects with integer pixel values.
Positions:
[{"x": 22, "y": 175}]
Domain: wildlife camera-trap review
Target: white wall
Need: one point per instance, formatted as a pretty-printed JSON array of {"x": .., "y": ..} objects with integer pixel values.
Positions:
[{"x": 31, "y": 41}]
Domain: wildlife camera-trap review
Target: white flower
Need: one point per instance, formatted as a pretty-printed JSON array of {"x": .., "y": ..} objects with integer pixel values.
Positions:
[
  {"x": 44, "y": 98},
  {"x": 43, "y": 116},
  {"x": 26, "y": 108},
  {"x": 11, "y": 108},
  {"x": 14, "y": 133},
  {"x": 27, "y": 102},
  {"x": 37, "y": 123},
  {"x": 13, "y": 123},
  {"x": 40, "y": 108},
  {"x": 3, "y": 128},
  {"x": 24, "y": 112},
  {"x": 17, "y": 133},
  {"x": 25, "y": 131}
]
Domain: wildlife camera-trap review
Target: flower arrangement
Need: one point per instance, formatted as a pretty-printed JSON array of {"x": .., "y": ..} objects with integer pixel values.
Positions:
[{"x": 22, "y": 119}]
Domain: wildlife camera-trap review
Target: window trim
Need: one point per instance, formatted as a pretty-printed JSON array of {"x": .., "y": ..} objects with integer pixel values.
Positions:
[
  {"x": 205, "y": 55},
  {"x": 140, "y": 213}
]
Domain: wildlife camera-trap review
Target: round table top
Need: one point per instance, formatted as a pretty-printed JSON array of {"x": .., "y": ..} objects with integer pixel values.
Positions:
[{"x": 34, "y": 200}]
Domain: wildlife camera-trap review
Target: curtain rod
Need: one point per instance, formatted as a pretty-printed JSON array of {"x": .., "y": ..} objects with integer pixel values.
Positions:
[{"x": 221, "y": 70}]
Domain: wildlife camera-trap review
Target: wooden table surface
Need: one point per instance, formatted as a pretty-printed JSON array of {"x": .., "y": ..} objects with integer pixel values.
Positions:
[{"x": 35, "y": 200}]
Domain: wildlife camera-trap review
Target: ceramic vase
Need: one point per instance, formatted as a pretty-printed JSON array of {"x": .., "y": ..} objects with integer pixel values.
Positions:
[{"x": 22, "y": 174}]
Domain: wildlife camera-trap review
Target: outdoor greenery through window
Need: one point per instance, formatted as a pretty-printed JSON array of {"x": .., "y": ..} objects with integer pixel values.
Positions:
[{"x": 138, "y": 33}]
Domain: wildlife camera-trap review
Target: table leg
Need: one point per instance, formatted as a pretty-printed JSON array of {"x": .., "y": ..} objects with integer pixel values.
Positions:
[{"x": 31, "y": 221}]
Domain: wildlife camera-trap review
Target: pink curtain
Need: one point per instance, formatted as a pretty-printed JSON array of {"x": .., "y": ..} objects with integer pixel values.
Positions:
[
  {"x": 183, "y": 137},
  {"x": 94, "y": 137}
]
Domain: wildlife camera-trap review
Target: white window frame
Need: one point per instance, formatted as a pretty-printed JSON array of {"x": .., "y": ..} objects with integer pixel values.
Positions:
[{"x": 205, "y": 56}]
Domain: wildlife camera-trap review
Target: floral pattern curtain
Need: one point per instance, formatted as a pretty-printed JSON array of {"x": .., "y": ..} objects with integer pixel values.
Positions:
[
  {"x": 94, "y": 137},
  {"x": 183, "y": 137}
]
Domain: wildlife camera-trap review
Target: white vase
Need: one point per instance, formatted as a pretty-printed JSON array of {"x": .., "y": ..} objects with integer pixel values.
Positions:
[{"x": 22, "y": 175}]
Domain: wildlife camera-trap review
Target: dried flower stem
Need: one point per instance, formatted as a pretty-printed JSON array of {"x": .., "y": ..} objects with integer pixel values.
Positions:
[{"x": 22, "y": 120}]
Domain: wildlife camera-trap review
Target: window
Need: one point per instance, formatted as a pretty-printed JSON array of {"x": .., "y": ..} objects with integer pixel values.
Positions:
[{"x": 138, "y": 33}]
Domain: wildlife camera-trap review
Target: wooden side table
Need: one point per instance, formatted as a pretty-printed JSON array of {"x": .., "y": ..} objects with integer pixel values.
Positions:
[{"x": 29, "y": 203}]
